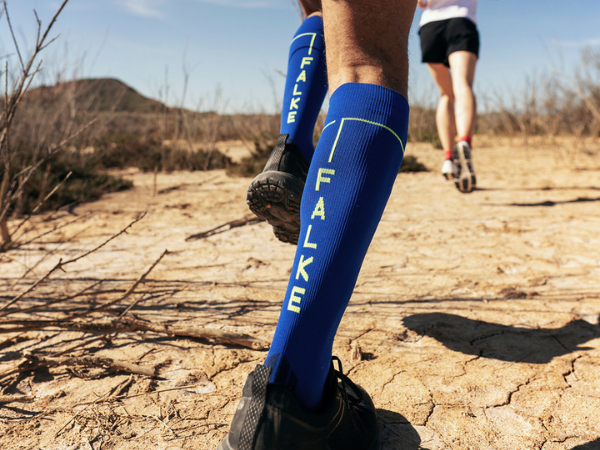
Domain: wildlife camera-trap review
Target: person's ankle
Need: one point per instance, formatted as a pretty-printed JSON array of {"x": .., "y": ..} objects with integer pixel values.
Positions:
[
  {"x": 466, "y": 139},
  {"x": 447, "y": 154}
]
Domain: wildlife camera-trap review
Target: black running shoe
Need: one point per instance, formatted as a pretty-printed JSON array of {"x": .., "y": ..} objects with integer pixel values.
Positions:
[
  {"x": 465, "y": 180},
  {"x": 275, "y": 193},
  {"x": 269, "y": 417}
]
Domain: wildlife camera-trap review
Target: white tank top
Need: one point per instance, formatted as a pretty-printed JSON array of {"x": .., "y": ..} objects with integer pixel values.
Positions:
[{"x": 449, "y": 9}]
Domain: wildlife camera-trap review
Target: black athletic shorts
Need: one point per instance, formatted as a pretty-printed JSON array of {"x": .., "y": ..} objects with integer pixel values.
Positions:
[{"x": 440, "y": 38}]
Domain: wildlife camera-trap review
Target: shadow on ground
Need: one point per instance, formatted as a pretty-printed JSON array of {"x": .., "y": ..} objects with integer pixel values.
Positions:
[
  {"x": 546, "y": 203},
  {"x": 554, "y": 203},
  {"x": 506, "y": 343},
  {"x": 397, "y": 433},
  {"x": 594, "y": 445}
]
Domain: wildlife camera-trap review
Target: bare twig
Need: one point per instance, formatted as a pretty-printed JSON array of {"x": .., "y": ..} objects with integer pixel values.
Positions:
[
  {"x": 44, "y": 258},
  {"x": 60, "y": 265},
  {"x": 133, "y": 303},
  {"x": 32, "y": 362},
  {"x": 131, "y": 325},
  {"x": 33, "y": 286},
  {"x": 584, "y": 98},
  {"x": 79, "y": 345},
  {"x": 56, "y": 188},
  {"x": 12, "y": 33},
  {"x": 165, "y": 425},
  {"x": 22, "y": 84},
  {"x": 46, "y": 233},
  {"x": 247, "y": 220},
  {"x": 5, "y": 235},
  {"x": 51, "y": 302},
  {"x": 96, "y": 361},
  {"x": 59, "y": 432},
  {"x": 32, "y": 169},
  {"x": 124, "y": 397},
  {"x": 129, "y": 291},
  {"x": 124, "y": 230},
  {"x": 16, "y": 399}
]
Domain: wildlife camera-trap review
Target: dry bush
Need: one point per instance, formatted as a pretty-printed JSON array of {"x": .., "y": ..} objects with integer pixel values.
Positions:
[
  {"x": 548, "y": 105},
  {"x": 48, "y": 115},
  {"x": 18, "y": 165},
  {"x": 255, "y": 162},
  {"x": 422, "y": 127}
]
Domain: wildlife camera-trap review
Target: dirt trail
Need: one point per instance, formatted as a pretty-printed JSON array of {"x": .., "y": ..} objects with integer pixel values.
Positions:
[{"x": 474, "y": 323}]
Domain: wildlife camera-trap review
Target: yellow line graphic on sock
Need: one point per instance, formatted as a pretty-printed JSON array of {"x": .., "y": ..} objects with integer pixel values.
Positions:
[
  {"x": 312, "y": 41},
  {"x": 330, "y": 123},
  {"x": 365, "y": 121}
]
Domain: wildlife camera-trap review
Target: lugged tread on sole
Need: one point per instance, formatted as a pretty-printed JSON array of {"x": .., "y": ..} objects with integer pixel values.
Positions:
[{"x": 278, "y": 204}]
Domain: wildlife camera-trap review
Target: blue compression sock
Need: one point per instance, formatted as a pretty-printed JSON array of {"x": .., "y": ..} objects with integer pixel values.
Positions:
[
  {"x": 348, "y": 185},
  {"x": 305, "y": 86}
]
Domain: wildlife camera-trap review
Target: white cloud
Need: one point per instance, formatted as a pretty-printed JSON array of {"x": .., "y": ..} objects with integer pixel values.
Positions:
[{"x": 144, "y": 8}]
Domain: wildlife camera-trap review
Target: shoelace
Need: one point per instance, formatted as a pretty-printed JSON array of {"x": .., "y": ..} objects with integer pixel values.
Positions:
[
  {"x": 259, "y": 397},
  {"x": 346, "y": 381}
]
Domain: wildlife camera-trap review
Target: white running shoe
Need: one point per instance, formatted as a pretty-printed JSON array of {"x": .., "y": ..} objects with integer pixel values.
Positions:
[
  {"x": 465, "y": 180},
  {"x": 449, "y": 170}
]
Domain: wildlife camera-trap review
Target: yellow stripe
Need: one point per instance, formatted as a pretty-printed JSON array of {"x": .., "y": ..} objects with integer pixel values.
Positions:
[
  {"x": 312, "y": 41},
  {"x": 365, "y": 121},
  {"x": 336, "y": 140},
  {"x": 330, "y": 123}
]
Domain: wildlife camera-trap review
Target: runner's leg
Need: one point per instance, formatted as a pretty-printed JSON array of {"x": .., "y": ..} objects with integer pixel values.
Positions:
[
  {"x": 462, "y": 65},
  {"x": 348, "y": 184},
  {"x": 274, "y": 195},
  {"x": 306, "y": 81},
  {"x": 350, "y": 179},
  {"x": 445, "y": 118}
]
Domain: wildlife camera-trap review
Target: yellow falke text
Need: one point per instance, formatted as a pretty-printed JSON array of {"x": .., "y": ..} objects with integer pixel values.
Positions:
[{"x": 297, "y": 94}]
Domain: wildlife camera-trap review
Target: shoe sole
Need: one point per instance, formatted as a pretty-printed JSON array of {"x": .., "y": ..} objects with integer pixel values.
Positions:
[
  {"x": 448, "y": 176},
  {"x": 275, "y": 197},
  {"x": 467, "y": 181},
  {"x": 225, "y": 445}
]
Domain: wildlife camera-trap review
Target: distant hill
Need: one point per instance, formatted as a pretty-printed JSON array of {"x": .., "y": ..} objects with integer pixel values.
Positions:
[{"x": 94, "y": 94}]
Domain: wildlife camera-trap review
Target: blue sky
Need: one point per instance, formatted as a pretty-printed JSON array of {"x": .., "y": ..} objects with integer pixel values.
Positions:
[{"x": 239, "y": 47}]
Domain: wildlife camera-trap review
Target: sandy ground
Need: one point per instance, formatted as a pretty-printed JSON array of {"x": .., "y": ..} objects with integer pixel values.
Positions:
[{"x": 474, "y": 323}]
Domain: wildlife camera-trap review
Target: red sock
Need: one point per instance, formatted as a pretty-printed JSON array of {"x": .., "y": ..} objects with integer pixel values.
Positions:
[
  {"x": 466, "y": 138},
  {"x": 447, "y": 154}
]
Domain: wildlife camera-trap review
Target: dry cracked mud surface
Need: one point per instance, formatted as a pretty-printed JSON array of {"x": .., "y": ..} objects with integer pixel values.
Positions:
[{"x": 473, "y": 325}]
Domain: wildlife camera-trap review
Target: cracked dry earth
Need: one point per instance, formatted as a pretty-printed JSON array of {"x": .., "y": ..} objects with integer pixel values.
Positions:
[{"x": 473, "y": 325}]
